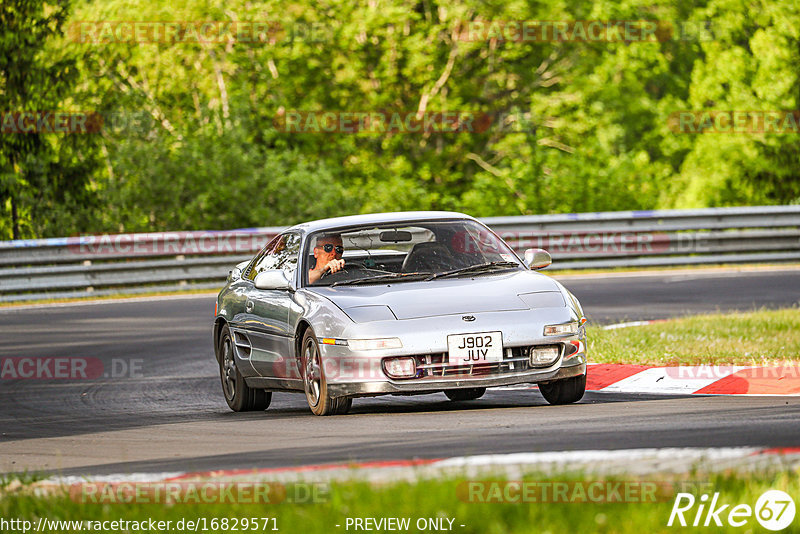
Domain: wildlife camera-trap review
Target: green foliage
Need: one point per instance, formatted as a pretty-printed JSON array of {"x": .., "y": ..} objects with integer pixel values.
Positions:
[
  {"x": 750, "y": 65},
  {"x": 43, "y": 177},
  {"x": 191, "y": 138},
  {"x": 224, "y": 182}
]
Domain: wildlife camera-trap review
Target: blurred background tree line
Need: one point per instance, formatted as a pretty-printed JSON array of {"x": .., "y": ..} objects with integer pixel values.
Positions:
[{"x": 189, "y": 138}]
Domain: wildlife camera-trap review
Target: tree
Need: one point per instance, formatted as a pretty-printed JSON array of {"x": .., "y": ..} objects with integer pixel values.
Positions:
[
  {"x": 43, "y": 176},
  {"x": 750, "y": 65}
]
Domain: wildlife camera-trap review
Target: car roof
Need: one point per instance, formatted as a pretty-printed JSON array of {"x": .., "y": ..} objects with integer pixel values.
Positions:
[{"x": 378, "y": 218}]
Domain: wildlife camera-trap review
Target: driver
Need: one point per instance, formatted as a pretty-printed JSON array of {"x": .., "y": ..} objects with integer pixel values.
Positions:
[{"x": 328, "y": 253}]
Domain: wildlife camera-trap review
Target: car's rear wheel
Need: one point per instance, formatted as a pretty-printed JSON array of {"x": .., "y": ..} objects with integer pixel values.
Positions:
[
  {"x": 465, "y": 394},
  {"x": 565, "y": 391},
  {"x": 315, "y": 383},
  {"x": 238, "y": 395}
]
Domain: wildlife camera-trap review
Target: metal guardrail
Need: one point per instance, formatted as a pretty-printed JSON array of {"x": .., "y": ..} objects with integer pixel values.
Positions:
[{"x": 136, "y": 263}]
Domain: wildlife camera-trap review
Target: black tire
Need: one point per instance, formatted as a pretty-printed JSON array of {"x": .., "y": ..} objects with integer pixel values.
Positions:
[
  {"x": 345, "y": 403},
  {"x": 564, "y": 391},
  {"x": 465, "y": 394},
  {"x": 314, "y": 383},
  {"x": 238, "y": 395}
]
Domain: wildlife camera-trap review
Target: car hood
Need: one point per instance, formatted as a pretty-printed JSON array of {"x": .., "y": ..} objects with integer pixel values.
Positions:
[{"x": 448, "y": 296}]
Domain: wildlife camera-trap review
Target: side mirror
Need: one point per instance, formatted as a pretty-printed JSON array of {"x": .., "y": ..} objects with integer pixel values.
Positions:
[
  {"x": 271, "y": 279},
  {"x": 536, "y": 258}
]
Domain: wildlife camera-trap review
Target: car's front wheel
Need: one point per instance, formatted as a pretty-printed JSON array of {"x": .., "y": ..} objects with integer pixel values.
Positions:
[
  {"x": 315, "y": 383},
  {"x": 238, "y": 395},
  {"x": 565, "y": 391},
  {"x": 465, "y": 394}
]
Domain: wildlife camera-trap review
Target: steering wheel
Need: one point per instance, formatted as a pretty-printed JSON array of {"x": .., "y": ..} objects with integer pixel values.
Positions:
[
  {"x": 352, "y": 266},
  {"x": 328, "y": 272}
]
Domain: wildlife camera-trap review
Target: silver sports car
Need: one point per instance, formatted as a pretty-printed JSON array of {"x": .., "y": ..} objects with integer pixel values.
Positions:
[{"x": 395, "y": 303}]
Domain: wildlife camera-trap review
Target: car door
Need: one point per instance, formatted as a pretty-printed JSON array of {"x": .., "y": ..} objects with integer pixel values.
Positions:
[{"x": 266, "y": 318}]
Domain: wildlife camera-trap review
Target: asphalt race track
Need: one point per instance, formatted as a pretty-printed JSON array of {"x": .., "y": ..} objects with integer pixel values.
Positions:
[{"x": 168, "y": 414}]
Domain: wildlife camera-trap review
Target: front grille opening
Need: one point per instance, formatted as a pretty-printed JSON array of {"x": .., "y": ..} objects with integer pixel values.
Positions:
[{"x": 515, "y": 360}]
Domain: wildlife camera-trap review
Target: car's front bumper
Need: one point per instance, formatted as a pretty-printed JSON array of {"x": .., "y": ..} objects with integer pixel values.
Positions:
[{"x": 573, "y": 366}]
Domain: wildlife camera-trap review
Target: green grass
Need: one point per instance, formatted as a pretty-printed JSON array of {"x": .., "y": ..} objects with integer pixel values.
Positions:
[
  {"x": 555, "y": 271},
  {"x": 761, "y": 337},
  {"x": 438, "y": 498}
]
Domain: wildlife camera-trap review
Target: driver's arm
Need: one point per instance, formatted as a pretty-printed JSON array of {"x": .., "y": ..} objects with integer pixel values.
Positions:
[
  {"x": 333, "y": 266},
  {"x": 314, "y": 275}
]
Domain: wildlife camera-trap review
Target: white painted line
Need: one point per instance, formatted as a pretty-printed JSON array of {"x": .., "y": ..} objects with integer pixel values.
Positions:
[
  {"x": 594, "y": 456},
  {"x": 117, "y": 477},
  {"x": 626, "y": 325}
]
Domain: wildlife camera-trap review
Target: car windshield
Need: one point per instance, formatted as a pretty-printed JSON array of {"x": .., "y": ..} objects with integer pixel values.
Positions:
[{"x": 405, "y": 252}]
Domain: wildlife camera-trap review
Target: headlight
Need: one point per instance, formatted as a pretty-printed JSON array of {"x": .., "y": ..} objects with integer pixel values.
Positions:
[
  {"x": 404, "y": 367},
  {"x": 375, "y": 344},
  {"x": 566, "y": 329}
]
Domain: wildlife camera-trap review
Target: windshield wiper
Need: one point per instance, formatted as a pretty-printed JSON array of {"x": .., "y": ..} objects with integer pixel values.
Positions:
[
  {"x": 472, "y": 269},
  {"x": 475, "y": 269},
  {"x": 380, "y": 278}
]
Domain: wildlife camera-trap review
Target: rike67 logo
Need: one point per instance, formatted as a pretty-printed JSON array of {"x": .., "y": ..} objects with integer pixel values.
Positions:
[{"x": 774, "y": 510}]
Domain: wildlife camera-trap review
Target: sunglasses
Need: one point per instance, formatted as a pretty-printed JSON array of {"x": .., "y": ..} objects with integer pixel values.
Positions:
[{"x": 328, "y": 247}]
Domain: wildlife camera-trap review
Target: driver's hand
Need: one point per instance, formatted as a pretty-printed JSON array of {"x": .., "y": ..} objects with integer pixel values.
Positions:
[{"x": 335, "y": 265}]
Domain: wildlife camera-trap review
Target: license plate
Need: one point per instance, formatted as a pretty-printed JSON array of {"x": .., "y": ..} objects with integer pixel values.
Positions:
[{"x": 473, "y": 349}]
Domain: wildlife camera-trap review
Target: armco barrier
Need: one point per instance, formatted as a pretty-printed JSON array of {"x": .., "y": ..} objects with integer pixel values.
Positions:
[{"x": 134, "y": 263}]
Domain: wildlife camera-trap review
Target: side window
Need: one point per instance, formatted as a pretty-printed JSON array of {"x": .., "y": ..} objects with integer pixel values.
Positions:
[
  {"x": 249, "y": 271},
  {"x": 280, "y": 253}
]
